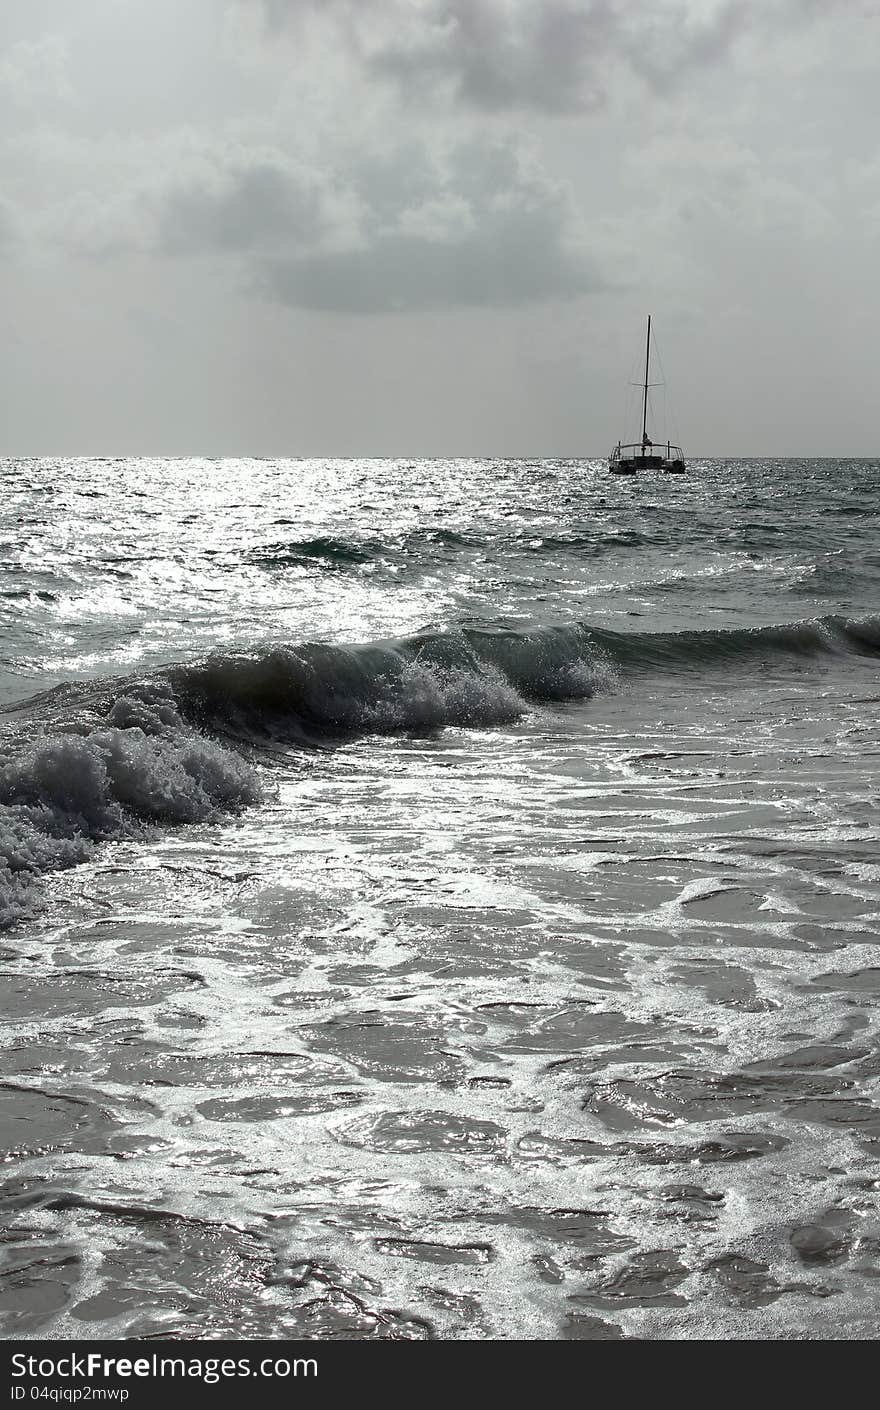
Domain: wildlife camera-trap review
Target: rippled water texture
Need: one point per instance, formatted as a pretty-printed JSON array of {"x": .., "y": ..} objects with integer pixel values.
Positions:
[{"x": 440, "y": 899}]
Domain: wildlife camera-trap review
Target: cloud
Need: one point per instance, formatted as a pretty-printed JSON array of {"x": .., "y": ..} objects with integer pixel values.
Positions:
[
  {"x": 497, "y": 57},
  {"x": 250, "y": 207},
  {"x": 728, "y": 186},
  {"x": 173, "y": 194},
  {"x": 552, "y": 56},
  {"x": 671, "y": 41},
  {"x": 518, "y": 259},
  {"x": 423, "y": 223},
  {"x": 475, "y": 226},
  {"x": 411, "y": 227},
  {"x": 34, "y": 72}
]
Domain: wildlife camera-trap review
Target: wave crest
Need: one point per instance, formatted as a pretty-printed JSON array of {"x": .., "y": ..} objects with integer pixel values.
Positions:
[
  {"x": 111, "y": 759},
  {"x": 91, "y": 781},
  {"x": 467, "y": 678}
]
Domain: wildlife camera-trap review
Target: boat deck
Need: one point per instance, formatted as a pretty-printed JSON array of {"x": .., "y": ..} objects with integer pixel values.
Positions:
[{"x": 630, "y": 459}]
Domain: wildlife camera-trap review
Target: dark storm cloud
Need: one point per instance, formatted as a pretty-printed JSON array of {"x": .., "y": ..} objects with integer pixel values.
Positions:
[
  {"x": 240, "y": 210},
  {"x": 556, "y": 56}
]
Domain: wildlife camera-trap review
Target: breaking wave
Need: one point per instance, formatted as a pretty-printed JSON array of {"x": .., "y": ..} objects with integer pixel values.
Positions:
[
  {"x": 101, "y": 775},
  {"x": 471, "y": 677},
  {"x": 111, "y": 759}
]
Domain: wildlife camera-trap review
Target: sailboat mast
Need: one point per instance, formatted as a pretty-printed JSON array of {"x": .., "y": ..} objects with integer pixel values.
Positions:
[{"x": 645, "y": 398}]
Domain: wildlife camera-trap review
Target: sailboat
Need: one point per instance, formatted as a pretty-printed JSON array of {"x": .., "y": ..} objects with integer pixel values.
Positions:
[{"x": 646, "y": 454}]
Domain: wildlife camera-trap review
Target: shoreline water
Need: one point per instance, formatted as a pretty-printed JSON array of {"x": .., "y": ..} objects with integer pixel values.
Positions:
[{"x": 530, "y": 1004}]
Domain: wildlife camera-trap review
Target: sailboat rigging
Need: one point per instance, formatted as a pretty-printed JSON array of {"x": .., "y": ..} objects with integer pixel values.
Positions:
[{"x": 629, "y": 459}]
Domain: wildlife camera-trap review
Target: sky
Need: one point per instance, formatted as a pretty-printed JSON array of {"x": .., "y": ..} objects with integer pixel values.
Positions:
[{"x": 435, "y": 227}]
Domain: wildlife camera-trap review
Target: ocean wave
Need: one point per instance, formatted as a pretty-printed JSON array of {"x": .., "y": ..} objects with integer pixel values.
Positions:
[
  {"x": 635, "y": 652},
  {"x": 423, "y": 545},
  {"x": 91, "y": 775},
  {"x": 588, "y": 542},
  {"x": 339, "y": 554},
  {"x": 87, "y": 763},
  {"x": 469, "y": 677},
  {"x": 323, "y": 551},
  {"x": 98, "y": 761}
]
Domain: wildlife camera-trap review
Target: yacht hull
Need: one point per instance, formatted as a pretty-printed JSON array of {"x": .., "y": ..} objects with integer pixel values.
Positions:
[{"x": 635, "y": 464}]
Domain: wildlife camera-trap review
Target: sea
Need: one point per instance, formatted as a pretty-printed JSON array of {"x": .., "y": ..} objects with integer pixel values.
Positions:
[{"x": 440, "y": 899}]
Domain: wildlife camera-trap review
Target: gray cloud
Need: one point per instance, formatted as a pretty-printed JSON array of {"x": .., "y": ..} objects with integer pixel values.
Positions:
[
  {"x": 33, "y": 73},
  {"x": 500, "y": 57},
  {"x": 511, "y": 260},
  {"x": 379, "y": 225},
  {"x": 474, "y": 225},
  {"x": 669, "y": 43},
  {"x": 245, "y": 209},
  {"x": 556, "y": 56}
]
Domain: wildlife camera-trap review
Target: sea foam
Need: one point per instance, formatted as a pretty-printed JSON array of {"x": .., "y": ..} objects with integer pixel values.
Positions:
[
  {"x": 85, "y": 780},
  {"x": 89, "y": 763},
  {"x": 108, "y": 760}
]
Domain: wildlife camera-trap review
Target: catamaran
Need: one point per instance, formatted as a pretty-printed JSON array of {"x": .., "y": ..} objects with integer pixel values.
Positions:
[{"x": 646, "y": 454}]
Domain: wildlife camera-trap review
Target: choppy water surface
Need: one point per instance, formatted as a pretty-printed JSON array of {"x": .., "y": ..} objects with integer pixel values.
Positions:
[{"x": 440, "y": 900}]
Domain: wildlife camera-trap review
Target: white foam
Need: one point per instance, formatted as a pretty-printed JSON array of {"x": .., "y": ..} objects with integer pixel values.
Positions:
[
  {"x": 83, "y": 783},
  {"x": 428, "y": 697}
]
